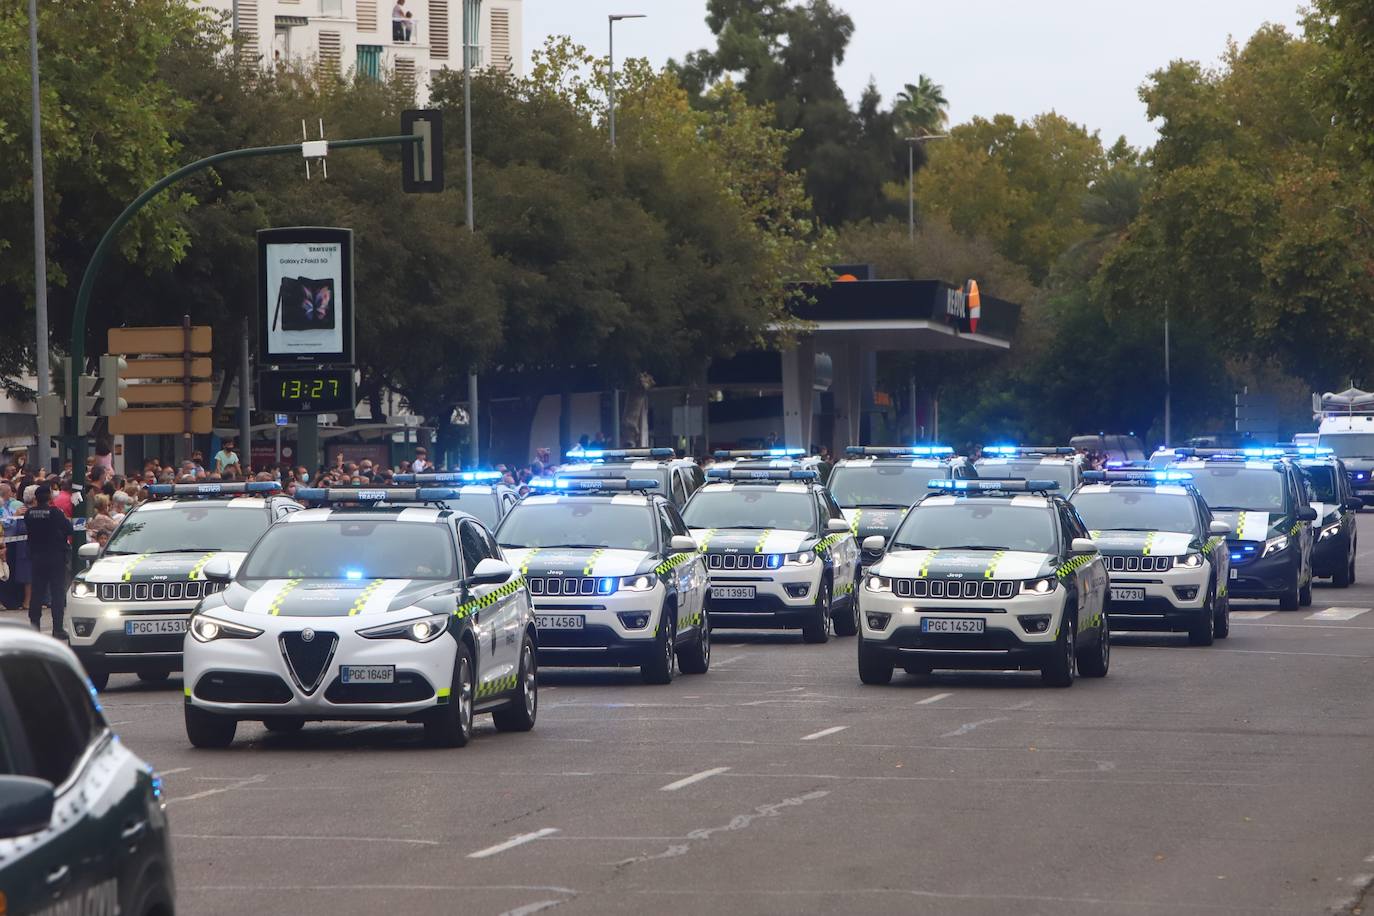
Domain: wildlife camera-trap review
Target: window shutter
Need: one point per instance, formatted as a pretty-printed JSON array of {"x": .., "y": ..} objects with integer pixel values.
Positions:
[
  {"x": 367, "y": 15},
  {"x": 500, "y": 59},
  {"x": 248, "y": 30},
  {"x": 405, "y": 73},
  {"x": 331, "y": 51},
  {"x": 438, "y": 29}
]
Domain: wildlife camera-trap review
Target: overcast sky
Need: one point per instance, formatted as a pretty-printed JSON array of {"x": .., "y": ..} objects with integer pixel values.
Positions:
[{"x": 1083, "y": 58}]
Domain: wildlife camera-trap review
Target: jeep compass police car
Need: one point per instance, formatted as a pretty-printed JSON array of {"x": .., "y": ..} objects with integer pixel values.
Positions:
[
  {"x": 678, "y": 478},
  {"x": 614, "y": 575},
  {"x": 779, "y": 551},
  {"x": 128, "y": 612},
  {"x": 379, "y": 606},
  {"x": 990, "y": 574},
  {"x": 1061, "y": 464},
  {"x": 1166, "y": 555}
]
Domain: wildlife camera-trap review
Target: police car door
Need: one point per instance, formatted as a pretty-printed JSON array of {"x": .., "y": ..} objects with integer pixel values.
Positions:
[
  {"x": 1091, "y": 577},
  {"x": 844, "y": 552},
  {"x": 494, "y": 619},
  {"x": 680, "y": 579}
]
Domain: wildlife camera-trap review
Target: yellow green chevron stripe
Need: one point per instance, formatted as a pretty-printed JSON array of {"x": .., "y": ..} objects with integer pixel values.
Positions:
[
  {"x": 490, "y": 598},
  {"x": 1149, "y": 544},
  {"x": 200, "y": 564},
  {"x": 275, "y": 607},
  {"x": 706, "y": 539},
  {"x": 842, "y": 590},
  {"x": 673, "y": 562},
  {"x": 525, "y": 566},
  {"x": 591, "y": 560},
  {"x": 129, "y": 567},
  {"x": 363, "y": 597},
  {"x": 992, "y": 564},
  {"x": 1074, "y": 563},
  {"x": 827, "y": 542},
  {"x": 854, "y": 522},
  {"x": 498, "y": 685},
  {"x": 925, "y": 564},
  {"x": 758, "y": 546}
]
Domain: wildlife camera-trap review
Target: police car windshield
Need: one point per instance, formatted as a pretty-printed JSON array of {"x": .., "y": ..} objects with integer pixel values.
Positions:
[
  {"x": 1349, "y": 445},
  {"x": 1127, "y": 509},
  {"x": 200, "y": 526},
  {"x": 481, "y": 505},
  {"x": 978, "y": 524},
  {"x": 878, "y": 485},
  {"x": 353, "y": 548},
  {"x": 1254, "y": 489},
  {"x": 751, "y": 507},
  {"x": 577, "y": 522},
  {"x": 1029, "y": 469},
  {"x": 1322, "y": 479}
]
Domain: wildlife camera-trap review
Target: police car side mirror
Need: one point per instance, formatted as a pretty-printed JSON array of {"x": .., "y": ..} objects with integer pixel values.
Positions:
[
  {"x": 220, "y": 569},
  {"x": 1082, "y": 545},
  {"x": 875, "y": 543},
  {"x": 1307, "y": 514},
  {"x": 682, "y": 542},
  {"x": 837, "y": 525},
  {"x": 490, "y": 572},
  {"x": 1220, "y": 529},
  {"x": 25, "y": 806},
  {"x": 88, "y": 551},
  {"x": 1353, "y": 504}
]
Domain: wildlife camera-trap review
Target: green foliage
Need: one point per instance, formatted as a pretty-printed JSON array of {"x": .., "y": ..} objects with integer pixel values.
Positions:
[{"x": 920, "y": 108}]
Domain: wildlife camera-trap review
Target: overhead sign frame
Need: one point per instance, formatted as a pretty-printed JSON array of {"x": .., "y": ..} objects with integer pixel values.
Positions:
[{"x": 305, "y": 295}]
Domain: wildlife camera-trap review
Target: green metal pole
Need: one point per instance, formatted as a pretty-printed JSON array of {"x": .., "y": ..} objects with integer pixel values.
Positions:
[{"x": 102, "y": 249}]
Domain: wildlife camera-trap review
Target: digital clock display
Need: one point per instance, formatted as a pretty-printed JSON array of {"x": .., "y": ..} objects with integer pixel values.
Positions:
[{"x": 306, "y": 391}]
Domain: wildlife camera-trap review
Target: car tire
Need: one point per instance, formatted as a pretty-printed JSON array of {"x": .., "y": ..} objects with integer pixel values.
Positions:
[
  {"x": 697, "y": 660},
  {"x": 1345, "y": 575},
  {"x": 662, "y": 662},
  {"x": 1288, "y": 601},
  {"x": 99, "y": 679},
  {"x": 847, "y": 621},
  {"x": 1062, "y": 666},
  {"x": 821, "y": 625},
  {"x": 1204, "y": 630},
  {"x": 208, "y": 730},
  {"x": 1221, "y": 628},
  {"x": 1305, "y": 594},
  {"x": 154, "y": 677},
  {"x": 1096, "y": 661},
  {"x": 875, "y": 668},
  {"x": 451, "y": 725},
  {"x": 283, "y": 725},
  {"x": 519, "y": 716}
]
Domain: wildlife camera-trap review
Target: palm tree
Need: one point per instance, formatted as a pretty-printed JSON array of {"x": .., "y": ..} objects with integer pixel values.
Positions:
[{"x": 920, "y": 108}]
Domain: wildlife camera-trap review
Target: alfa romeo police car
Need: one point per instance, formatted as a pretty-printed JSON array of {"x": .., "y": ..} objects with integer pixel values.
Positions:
[
  {"x": 1336, "y": 505},
  {"x": 480, "y": 493},
  {"x": 678, "y": 478},
  {"x": 128, "y": 611},
  {"x": 83, "y": 824},
  {"x": 380, "y": 605},
  {"x": 1061, "y": 464},
  {"x": 614, "y": 575},
  {"x": 875, "y": 486},
  {"x": 779, "y": 551},
  {"x": 1261, "y": 495},
  {"x": 1166, "y": 555},
  {"x": 990, "y": 574}
]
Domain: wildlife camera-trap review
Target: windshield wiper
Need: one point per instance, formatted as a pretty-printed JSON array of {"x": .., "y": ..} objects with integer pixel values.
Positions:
[
  {"x": 576, "y": 546},
  {"x": 877, "y": 506},
  {"x": 183, "y": 550}
]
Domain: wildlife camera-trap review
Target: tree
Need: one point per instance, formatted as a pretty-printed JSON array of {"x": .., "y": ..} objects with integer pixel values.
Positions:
[{"x": 920, "y": 108}]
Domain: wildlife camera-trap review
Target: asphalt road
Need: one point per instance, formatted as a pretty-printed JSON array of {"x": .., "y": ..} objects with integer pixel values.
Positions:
[{"x": 1231, "y": 779}]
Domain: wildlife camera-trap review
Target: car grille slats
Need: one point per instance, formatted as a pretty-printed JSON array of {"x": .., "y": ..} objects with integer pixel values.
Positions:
[
  {"x": 737, "y": 560},
  {"x": 954, "y": 588},
  {"x": 561, "y": 586},
  {"x": 308, "y": 659},
  {"x": 1132, "y": 563},
  {"x": 158, "y": 591}
]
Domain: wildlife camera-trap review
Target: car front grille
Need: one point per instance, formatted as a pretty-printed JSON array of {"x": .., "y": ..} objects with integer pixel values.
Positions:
[
  {"x": 1139, "y": 564},
  {"x": 737, "y": 560},
  {"x": 159, "y": 591},
  {"x": 954, "y": 588},
  {"x": 308, "y": 658},
  {"x": 570, "y": 586}
]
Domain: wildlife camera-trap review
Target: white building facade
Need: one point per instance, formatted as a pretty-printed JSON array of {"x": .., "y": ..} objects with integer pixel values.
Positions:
[{"x": 412, "y": 38}]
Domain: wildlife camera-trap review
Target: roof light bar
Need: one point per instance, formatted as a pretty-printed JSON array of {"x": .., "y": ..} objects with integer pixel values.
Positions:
[
  {"x": 571, "y": 482},
  {"x": 448, "y": 477},
  {"x": 761, "y": 453},
  {"x": 985, "y": 485},
  {"x": 1309, "y": 451},
  {"x": 213, "y": 489},
  {"x": 1230, "y": 453},
  {"x": 1136, "y": 475},
  {"x": 603, "y": 453},
  {"x": 372, "y": 495},
  {"x": 1007, "y": 450},
  {"x": 760, "y": 474},
  {"x": 900, "y": 451}
]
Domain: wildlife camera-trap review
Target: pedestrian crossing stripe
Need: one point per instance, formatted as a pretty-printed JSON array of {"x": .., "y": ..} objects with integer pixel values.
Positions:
[
  {"x": 363, "y": 597},
  {"x": 490, "y": 598},
  {"x": 200, "y": 564},
  {"x": 275, "y": 607},
  {"x": 1339, "y": 613},
  {"x": 129, "y": 567}
]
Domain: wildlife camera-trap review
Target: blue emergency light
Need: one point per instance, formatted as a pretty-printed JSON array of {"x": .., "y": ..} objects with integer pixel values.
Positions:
[
  {"x": 899, "y": 451},
  {"x": 592, "y": 454},
  {"x": 354, "y": 495},
  {"x": 1135, "y": 475},
  {"x": 984, "y": 485},
  {"x": 744, "y": 474},
  {"x": 213, "y": 489},
  {"x": 573, "y": 483},
  {"x": 760, "y": 453},
  {"x": 1014, "y": 450}
]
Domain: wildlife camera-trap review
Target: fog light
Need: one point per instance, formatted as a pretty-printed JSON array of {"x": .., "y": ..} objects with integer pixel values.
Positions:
[
  {"x": 797, "y": 589},
  {"x": 877, "y": 621},
  {"x": 634, "y": 620},
  {"x": 1035, "y": 623},
  {"x": 83, "y": 625},
  {"x": 1185, "y": 592}
]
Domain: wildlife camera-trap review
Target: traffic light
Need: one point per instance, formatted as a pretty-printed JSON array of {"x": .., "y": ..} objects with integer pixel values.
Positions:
[
  {"x": 422, "y": 164},
  {"x": 87, "y": 393},
  {"x": 50, "y": 415},
  {"x": 111, "y": 385}
]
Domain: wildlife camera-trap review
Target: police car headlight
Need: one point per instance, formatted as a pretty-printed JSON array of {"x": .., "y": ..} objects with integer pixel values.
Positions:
[
  {"x": 426, "y": 629},
  {"x": 1330, "y": 531},
  {"x": 881, "y": 585},
  {"x": 208, "y": 629},
  {"x": 1190, "y": 561},
  {"x": 641, "y": 583},
  {"x": 805, "y": 558},
  {"x": 1042, "y": 586},
  {"x": 1274, "y": 545},
  {"x": 82, "y": 590}
]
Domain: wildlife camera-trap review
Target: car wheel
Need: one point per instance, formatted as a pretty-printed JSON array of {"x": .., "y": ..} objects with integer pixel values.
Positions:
[
  {"x": 697, "y": 660},
  {"x": 1305, "y": 594},
  {"x": 451, "y": 725},
  {"x": 821, "y": 625},
  {"x": 1353, "y": 551},
  {"x": 847, "y": 621},
  {"x": 519, "y": 716},
  {"x": 874, "y": 666},
  {"x": 1203, "y": 630},
  {"x": 1062, "y": 666},
  {"x": 283, "y": 725},
  {"x": 99, "y": 679},
  {"x": 153, "y": 677},
  {"x": 206, "y": 729},
  {"x": 1342, "y": 577},
  {"x": 663, "y": 657},
  {"x": 1288, "y": 601},
  {"x": 1094, "y": 662},
  {"x": 1222, "y": 616}
]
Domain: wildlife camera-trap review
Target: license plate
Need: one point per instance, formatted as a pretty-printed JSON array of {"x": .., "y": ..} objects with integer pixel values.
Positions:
[
  {"x": 1128, "y": 594},
  {"x": 1235, "y": 574},
  {"x": 560, "y": 621},
  {"x": 154, "y": 627},
  {"x": 952, "y": 624},
  {"x": 367, "y": 674},
  {"x": 733, "y": 592}
]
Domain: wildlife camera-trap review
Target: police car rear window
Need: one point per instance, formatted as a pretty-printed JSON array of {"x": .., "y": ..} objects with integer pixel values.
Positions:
[
  {"x": 879, "y": 485},
  {"x": 199, "y": 526},
  {"x": 1128, "y": 509},
  {"x": 751, "y": 507},
  {"x": 344, "y": 548}
]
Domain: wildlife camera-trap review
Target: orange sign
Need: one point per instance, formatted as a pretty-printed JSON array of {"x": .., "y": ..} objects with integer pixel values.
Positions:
[{"x": 975, "y": 306}]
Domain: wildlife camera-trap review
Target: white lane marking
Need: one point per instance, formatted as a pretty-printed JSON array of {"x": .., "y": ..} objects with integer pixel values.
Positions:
[
  {"x": 309, "y": 839},
  {"x": 239, "y": 784},
  {"x": 1249, "y": 615},
  {"x": 1338, "y": 613},
  {"x": 530, "y": 908},
  {"x": 1228, "y": 649},
  {"x": 718, "y": 662},
  {"x": 1303, "y": 626},
  {"x": 970, "y": 726},
  {"x": 349, "y": 888},
  {"x": 823, "y": 732},
  {"x": 173, "y": 772},
  {"x": 517, "y": 840},
  {"x": 935, "y": 699},
  {"x": 695, "y": 777}
]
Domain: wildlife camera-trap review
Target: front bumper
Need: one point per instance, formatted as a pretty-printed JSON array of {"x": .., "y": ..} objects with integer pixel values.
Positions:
[
  {"x": 784, "y": 598},
  {"x": 1166, "y": 605},
  {"x": 1267, "y": 577},
  {"x": 96, "y": 632},
  {"x": 605, "y": 639},
  {"x": 1006, "y": 643},
  {"x": 250, "y": 678}
]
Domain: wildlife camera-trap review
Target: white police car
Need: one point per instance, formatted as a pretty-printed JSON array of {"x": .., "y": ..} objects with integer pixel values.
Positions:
[
  {"x": 1165, "y": 553},
  {"x": 128, "y": 612},
  {"x": 986, "y": 574},
  {"x": 778, "y": 549},
  {"x": 614, "y": 575},
  {"x": 678, "y": 478},
  {"x": 1062, "y": 464},
  {"x": 383, "y": 605}
]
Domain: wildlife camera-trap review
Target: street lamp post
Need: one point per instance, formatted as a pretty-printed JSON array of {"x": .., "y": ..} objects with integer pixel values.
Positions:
[
  {"x": 472, "y": 18},
  {"x": 40, "y": 245},
  {"x": 911, "y": 179},
  {"x": 611, "y": 20}
]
